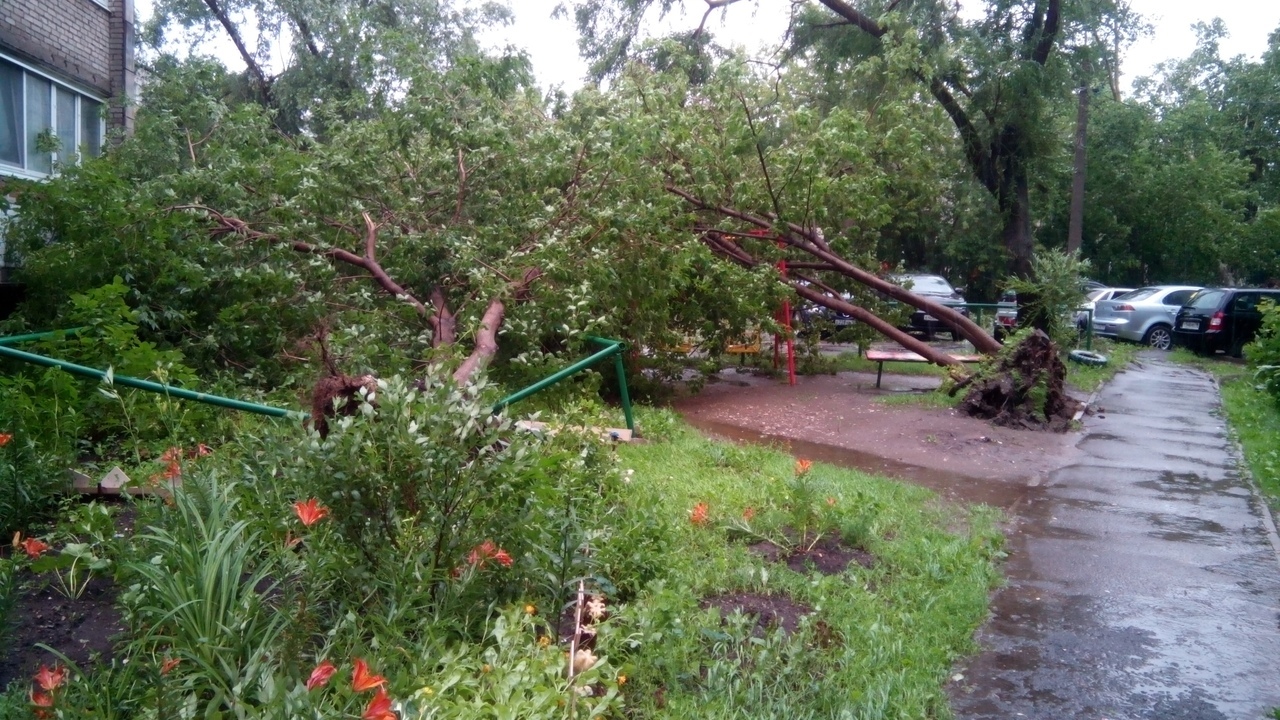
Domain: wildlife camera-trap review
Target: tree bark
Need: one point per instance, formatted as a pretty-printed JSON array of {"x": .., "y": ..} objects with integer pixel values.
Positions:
[
  {"x": 810, "y": 242},
  {"x": 486, "y": 343},
  {"x": 1075, "y": 228}
]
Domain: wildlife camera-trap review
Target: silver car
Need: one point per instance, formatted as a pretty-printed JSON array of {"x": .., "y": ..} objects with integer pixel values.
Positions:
[
  {"x": 1144, "y": 315},
  {"x": 1091, "y": 303}
]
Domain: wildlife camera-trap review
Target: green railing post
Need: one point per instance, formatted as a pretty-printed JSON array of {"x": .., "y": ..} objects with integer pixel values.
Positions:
[
  {"x": 149, "y": 386},
  {"x": 612, "y": 348},
  {"x": 15, "y": 339},
  {"x": 622, "y": 388}
]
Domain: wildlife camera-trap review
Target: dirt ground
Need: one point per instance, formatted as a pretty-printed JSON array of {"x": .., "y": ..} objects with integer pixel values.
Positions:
[{"x": 842, "y": 419}]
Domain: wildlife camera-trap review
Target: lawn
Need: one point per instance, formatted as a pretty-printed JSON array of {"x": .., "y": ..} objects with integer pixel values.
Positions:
[{"x": 427, "y": 559}]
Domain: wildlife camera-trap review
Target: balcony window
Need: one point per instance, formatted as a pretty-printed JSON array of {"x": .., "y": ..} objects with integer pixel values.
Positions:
[{"x": 43, "y": 123}]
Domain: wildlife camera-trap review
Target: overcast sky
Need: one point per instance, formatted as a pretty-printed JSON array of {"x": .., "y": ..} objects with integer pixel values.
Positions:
[{"x": 552, "y": 43}]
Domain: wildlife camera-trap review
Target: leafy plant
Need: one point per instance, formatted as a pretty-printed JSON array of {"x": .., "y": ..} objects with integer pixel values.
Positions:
[
  {"x": 1264, "y": 352},
  {"x": 202, "y": 600},
  {"x": 1053, "y": 293},
  {"x": 73, "y": 567}
]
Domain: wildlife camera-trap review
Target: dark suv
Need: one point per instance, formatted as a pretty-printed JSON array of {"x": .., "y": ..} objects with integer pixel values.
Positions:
[{"x": 1221, "y": 319}]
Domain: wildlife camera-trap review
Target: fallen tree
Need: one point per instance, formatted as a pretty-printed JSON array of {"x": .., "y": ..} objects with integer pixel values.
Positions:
[{"x": 809, "y": 241}]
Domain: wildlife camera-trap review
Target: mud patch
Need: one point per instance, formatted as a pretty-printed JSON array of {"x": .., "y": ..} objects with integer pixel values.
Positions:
[
  {"x": 770, "y": 611},
  {"x": 79, "y": 628},
  {"x": 828, "y": 556}
]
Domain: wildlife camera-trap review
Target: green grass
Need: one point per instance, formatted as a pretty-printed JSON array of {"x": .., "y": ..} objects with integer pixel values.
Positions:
[
  {"x": 1255, "y": 418},
  {"x": 883, "y": 639},
  {"x": 1088, "y": 378},
  {"x": 938, "y": 399}
]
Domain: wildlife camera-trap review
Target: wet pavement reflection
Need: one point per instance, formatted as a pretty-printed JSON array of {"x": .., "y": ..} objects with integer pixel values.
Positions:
[{"x": 1143, "y": 578}]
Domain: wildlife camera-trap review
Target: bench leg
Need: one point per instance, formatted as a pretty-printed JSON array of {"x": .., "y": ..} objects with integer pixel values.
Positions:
[{"x": 879, "y": 372}]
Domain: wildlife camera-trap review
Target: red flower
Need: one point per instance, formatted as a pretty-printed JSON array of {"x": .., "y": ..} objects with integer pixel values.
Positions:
[
  {"x": 362, "y": 679},
  {"x": 5, "y": 438},
  {"x": 202, "y": 450},
  {"x": 698, "y": 516},
  {"x": 172, "y": 454},
  {"x": 33, "y": 547},
  {"x": 49, "y": 679},
  {"x": 487, "y": 550},
  {"x": 379, "y": 707},
  {"x": 168, "y": 665},
  {"x": 310, "y": 512},
  {"x": 41, "y": 699},
  {"x": 748, "y": 514},
  {"x": 321, "y": 675},
  {"x": 802, "y": 466}
]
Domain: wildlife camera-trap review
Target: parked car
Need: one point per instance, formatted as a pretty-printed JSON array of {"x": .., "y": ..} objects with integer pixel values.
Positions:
[
  {"x": 937, "y": 289},
  {"x": 1091, "y": 303},
  {"x": 1221, "y": 319},
  {"x": 1145, "y": 315}
]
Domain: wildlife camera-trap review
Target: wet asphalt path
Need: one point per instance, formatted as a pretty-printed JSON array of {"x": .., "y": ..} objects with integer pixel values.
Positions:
[{"x": 1143, "y": 579}]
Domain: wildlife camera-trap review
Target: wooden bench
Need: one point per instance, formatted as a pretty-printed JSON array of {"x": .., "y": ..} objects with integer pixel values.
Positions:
[{"x": 880, "y": 357}]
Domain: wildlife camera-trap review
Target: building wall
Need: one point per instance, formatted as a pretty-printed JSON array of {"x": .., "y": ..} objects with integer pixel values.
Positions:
[{"x": 79, "y": 40}]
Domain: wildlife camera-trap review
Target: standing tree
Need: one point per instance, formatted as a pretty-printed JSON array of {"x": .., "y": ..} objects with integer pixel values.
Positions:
[{"x": 994, "y": 76}]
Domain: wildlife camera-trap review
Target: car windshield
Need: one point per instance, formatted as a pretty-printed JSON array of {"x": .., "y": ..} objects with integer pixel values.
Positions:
[
  {"x": 1207, "y": 299},
  {"x": 927, "y": 283},
  {"x": 1139, "y": 294},
  {"x": 1097, "y": 294}
]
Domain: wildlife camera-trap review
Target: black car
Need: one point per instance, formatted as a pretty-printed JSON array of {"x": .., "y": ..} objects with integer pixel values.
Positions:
[
  {"x": 937, "y": 289},
  {"x": 1221, "y": 319}
]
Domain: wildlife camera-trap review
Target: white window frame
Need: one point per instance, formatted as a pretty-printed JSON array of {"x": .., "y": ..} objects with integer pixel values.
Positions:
[
  {"x": 102, "y": 4},
  {"x": 54, "y": 85}
]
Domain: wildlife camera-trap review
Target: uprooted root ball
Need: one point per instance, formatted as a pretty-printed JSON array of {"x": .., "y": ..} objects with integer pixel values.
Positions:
[{"x": 1023, "y": 388}]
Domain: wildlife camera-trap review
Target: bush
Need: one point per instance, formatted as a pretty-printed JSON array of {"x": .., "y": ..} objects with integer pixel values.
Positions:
[
  {"x": 1264, "y": 352},
  {"x": 1051, "y": 297}
]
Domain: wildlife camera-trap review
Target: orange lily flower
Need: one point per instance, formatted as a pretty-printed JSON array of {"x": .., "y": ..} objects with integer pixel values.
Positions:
[
  {"x": 831, "y": 501},
  {"x": 321, "y": 675},
  {"x": 748, "y": 514},
  {"x": 34, "y": 548},
  {"x": 379, "y": 707},
  {"x": 171, "y": 454},
  {"x": 502, "y": 558},
  {"x": 699, "y": 514},
  {"x": 168, "y": 665},
  {"x": 802, "y": 466},
  {"x": 41, "y": 699},
  {"x": 362, "y": 679},
  {"x": 310, "y": 512},
  {"x": 202, "y": 450},
  {"x": 5, "y": 438},
  {"x": 50, "y": 678}
]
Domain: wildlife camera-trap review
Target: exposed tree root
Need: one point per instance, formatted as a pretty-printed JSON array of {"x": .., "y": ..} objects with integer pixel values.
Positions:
[{"x": 1024, "y": 389}]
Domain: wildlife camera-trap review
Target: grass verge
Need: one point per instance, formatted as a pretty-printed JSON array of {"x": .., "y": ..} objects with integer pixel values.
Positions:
[
  {"x": 1252, "y": 414},
  {"x": 1088, "y": 378},
  {"x": 882, "y": 639}
]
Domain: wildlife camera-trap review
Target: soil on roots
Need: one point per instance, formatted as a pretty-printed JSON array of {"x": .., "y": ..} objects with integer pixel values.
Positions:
[{"x": 1025, "y": 389}]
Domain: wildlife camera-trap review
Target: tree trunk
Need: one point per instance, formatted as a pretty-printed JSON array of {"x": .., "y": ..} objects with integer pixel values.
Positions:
[
  {"x": 1015, "y": 201},
  {"x": 1075, "y": 232}
]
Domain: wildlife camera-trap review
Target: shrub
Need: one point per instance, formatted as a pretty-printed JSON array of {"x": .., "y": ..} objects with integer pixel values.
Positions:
[
  {"x": 1264, "y": 352},
  {"x": 1050, "y": 298}
]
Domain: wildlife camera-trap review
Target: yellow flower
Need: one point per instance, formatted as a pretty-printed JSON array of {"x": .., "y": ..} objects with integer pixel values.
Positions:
[
  {"x": 622, "y": 680},
  {"x": 427, "y": 692},
  {"x": 543, "y": 641},
  {"x": 486, "y": 668},
  {"x": 529, "y": 609}
]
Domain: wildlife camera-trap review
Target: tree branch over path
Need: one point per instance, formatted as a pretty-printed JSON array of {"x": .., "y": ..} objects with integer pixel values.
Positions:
[{"x": 810, "y": 242}]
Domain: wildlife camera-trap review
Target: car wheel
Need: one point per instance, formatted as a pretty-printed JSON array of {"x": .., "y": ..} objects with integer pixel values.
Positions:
[
  {"x": 1159, "y": 337},
  {"x": 1237, "y": 349}
]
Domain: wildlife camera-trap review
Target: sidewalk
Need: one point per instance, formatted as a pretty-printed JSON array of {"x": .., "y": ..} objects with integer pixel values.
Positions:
[{"x": 1143, "y": 580}]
